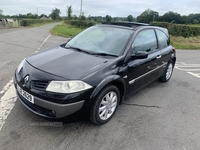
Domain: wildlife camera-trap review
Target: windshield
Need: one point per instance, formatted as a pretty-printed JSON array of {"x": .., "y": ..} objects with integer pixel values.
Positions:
[{"x": 98, "y": 39}]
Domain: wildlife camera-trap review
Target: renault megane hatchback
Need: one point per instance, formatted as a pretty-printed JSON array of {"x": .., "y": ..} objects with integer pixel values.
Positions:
[{"x": 92, "y": 73}]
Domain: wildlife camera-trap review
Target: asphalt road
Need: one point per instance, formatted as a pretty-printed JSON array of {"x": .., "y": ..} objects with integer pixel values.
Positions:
[{"x": 162, "y": 116}]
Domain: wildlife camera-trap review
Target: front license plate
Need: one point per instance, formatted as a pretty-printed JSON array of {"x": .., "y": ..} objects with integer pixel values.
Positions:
[{"x": 25, "y": 94}]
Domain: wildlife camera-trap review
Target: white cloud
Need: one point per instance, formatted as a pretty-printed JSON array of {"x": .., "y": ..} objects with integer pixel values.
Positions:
[{"x": 121, "y": 8}]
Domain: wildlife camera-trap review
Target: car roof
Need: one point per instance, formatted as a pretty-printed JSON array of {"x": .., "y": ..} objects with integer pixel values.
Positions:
[
  {"x": 134, "y": 25},
  {"x": 126, "y": 24}
]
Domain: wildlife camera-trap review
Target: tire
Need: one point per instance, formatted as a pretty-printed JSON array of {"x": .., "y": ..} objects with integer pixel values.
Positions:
[
  {"x": 103, "y": 109},
  {"x": 168, "y": 72}
]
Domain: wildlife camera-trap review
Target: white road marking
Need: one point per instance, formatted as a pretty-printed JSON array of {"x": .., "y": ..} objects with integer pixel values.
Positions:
[
  {"x": 183, "y": 63},
  {"x": 195, "y": 74},
  {"x": 43, "y": 43},
  {"x": 192, "y": 69},
  {"x": 180, "y": 63},
  {"x": 188, "y": 65},
  {"x": 7, "y": 102},
  {"x": 186, "y": 69},
  {"x": 6, "y": 87}
]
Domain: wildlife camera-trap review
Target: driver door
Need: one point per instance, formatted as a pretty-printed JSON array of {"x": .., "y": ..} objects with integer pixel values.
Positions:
[{"x": 143, "y": 71}]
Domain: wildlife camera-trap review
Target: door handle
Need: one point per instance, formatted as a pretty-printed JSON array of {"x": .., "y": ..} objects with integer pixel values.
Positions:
[{"x": 159, "y": 56}]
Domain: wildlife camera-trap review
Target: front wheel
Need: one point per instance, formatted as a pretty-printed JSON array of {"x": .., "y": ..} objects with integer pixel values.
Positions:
[
  {"x": 105, "y": 105},
  {"x": 168, "y": 72}
]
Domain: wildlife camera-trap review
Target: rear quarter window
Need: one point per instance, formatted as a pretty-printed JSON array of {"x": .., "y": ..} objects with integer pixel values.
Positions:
[{"x": 163, "y": 39}]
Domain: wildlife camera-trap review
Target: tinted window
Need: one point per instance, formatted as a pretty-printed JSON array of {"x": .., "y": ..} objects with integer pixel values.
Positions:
[
  {"x": 145, "y": 41},
  {"x": 163, "y": 40}
]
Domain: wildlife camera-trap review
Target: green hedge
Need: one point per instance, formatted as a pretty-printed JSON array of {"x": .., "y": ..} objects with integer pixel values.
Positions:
[
  {"x": 80, "y": 23},
  {"x": 29, "y": 22},
  {"x": 178, "y": 29}
]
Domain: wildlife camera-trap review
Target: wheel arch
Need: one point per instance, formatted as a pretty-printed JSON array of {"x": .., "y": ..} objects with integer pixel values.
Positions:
[
  {"x": 121, "y": 87},
  {"x": 173, "y": 56},
  {"x": 174, "y": 60},
  {"x": 115, "y": 80}
]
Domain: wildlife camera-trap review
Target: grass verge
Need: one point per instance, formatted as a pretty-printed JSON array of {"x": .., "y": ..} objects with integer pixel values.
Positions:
[
  {"x": 185, "y": 43},
  {"x": 65, "y": 30}
]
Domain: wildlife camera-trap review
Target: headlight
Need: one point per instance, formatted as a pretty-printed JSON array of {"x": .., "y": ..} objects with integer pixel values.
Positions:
[
  {"x": 67, "y": 86},
  {"x": 20, "y": 66}
]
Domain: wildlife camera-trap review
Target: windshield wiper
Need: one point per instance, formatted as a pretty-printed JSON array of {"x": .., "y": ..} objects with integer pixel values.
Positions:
[
  {"x": 78, "y": 49},
  {"x": 89, "y": 52},
  {"x": 105, "y": 54}
]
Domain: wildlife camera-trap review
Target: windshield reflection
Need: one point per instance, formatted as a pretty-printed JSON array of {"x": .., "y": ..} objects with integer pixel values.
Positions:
[{"x": 100, "y": 39}]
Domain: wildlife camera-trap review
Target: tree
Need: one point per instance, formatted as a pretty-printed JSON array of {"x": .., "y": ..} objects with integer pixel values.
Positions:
[
  {"x": 43, "y": 15},
  {"x": 147, "y": 16},
  {"x": 195, "y": 21},
  {"x": 55, "y": 14},
  {"x": 22, "y": 16},
  {"x": 171, "y": 17},
  {"x": 193, "y": 18},
  {"x": 108, "y": 18},
  {"x": 130, "y": 18},
  {"x": 82, "y": 17},
  {"x": 69, "y": 12},
  {"x": 75, "y": 17},
  {"x": 32, "y": 16},
  {"x": 184, "y": 19}
]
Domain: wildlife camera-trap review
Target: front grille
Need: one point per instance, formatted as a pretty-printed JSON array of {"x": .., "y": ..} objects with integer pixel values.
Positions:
[
  {"x": 39, "y": 85},
  {"x": 36, "y": 108}
]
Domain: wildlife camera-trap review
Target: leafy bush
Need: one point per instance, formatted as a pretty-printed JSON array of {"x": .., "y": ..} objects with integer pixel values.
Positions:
[
  {"x": 80, "y": 23},
  {"x": 29, "y": 22},
  {"x": 179, "y": 30}
]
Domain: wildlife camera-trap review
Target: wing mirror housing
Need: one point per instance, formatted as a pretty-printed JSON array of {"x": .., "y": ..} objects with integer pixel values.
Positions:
[{"x": 140, "y": 55}]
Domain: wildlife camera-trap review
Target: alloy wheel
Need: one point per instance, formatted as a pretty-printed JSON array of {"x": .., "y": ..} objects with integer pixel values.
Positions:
[
  {"x": 108, "y": 105},
  {"x": 169, "y": 71}
]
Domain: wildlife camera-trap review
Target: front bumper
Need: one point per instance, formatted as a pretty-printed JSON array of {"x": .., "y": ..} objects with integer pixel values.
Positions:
[
  {"x": 47, "y": 104},
  {"x": 49, "y": 109}
]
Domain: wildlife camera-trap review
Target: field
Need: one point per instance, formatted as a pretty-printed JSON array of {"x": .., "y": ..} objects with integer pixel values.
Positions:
[
  {"x": 186, "y": 43},
  {"x": 194, "y": 25},
  {"x": 66, "y": 30}
]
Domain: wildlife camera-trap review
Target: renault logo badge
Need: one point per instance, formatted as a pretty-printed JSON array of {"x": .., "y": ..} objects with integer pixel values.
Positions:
[{"x": 26, "y": 78}]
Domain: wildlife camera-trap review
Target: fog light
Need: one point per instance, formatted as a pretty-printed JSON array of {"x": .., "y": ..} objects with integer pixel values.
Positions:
[{"x": 52, "y": 113}]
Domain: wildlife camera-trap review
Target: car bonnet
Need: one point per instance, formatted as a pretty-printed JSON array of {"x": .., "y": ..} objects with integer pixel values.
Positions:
[{"x": 66, "y": 63}]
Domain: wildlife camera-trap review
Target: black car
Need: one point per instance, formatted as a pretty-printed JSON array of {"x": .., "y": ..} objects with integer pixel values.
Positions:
[{"x": 92, "y": 73}]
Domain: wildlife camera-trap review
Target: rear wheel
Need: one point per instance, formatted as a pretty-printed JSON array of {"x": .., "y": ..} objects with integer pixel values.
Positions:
[
  {"x": 105, "y": 105},
  {"x": 168, "y": 72}
]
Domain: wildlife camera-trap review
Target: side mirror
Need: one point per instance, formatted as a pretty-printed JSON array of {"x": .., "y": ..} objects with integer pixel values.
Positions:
[{"x": 140, "y": 55}]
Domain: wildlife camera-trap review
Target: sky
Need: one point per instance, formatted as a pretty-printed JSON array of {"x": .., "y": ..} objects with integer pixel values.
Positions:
[{"x": 114, "y": 8}]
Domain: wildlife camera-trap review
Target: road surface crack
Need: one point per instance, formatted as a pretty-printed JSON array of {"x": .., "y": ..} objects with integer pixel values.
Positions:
[{"x": 141, "y": 105}]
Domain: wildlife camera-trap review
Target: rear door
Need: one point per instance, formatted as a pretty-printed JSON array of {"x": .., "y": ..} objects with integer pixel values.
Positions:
[{"x": 143, "y": 71}]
